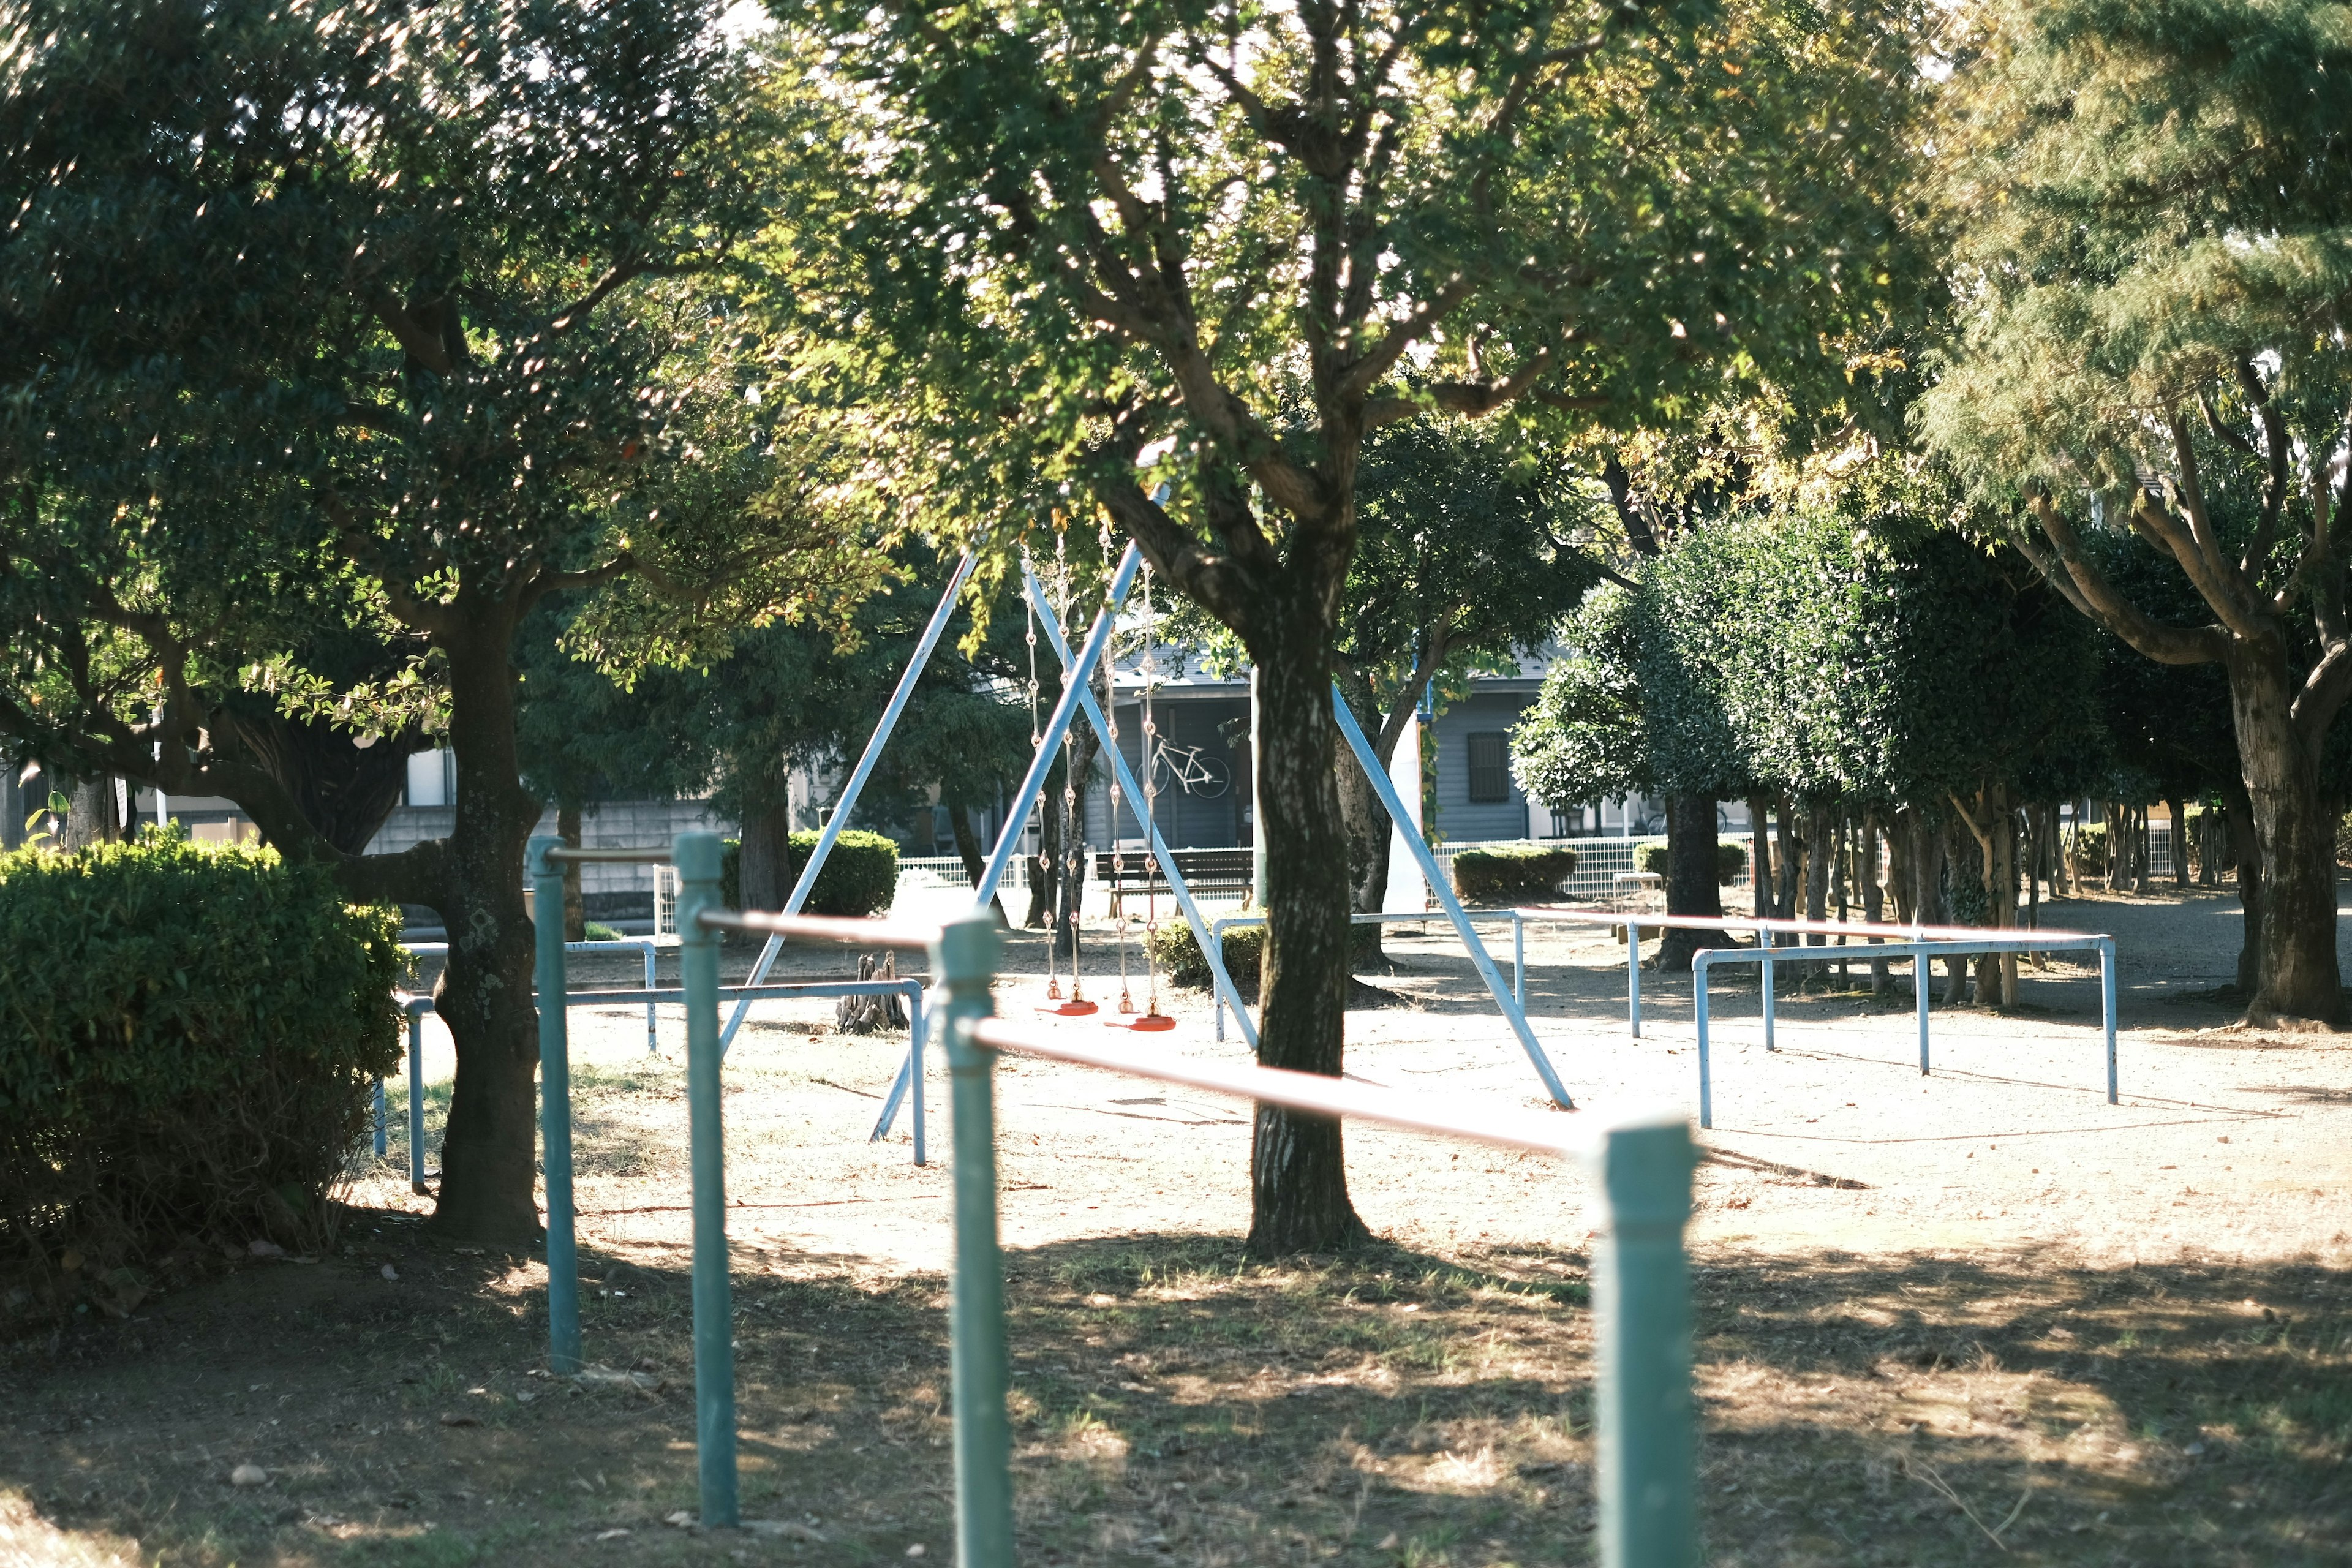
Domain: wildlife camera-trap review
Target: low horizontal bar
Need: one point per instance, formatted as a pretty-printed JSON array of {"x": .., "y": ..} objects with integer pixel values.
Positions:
[
  {"x": 1439, "y": 916},
  {"x": 1712, "y": 957},
  {"x": 650, "y": 855},
  {"x": 619, "y": 944},
  {"x": 1773, "y": 924},
  {"x": 1299, "y": 1092},
  {"x": 780, "y": 991},
  {"x": 823, "y": 928}
]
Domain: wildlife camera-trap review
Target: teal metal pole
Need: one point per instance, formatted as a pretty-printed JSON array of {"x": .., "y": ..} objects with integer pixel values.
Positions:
[
  {"x": 1649, "y": 1449},
  {"x": 1634, "y": 977},
  {"x": 696, "y": 855},
  {"x": 416, "y": 1011},
  {"x": 1699, "y": 968},
  {"x": 555, "y": 1110},
  {"x": 963, "y": 961}
]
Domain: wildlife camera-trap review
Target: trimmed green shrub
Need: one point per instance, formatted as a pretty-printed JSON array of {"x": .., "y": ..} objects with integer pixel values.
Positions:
[
  {"x": 1731, "y": 860},
  {"x": 192, "y": 1036},
  {"x": 597, "y": 931},
  {"x": 1512, "y": 872},
  {"x": 860, "y": 876},
  {"x": 1179, "y": 956}
]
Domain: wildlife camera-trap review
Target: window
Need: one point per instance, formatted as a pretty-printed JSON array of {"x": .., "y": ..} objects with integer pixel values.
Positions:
[{"x": 1490, "y": 767}]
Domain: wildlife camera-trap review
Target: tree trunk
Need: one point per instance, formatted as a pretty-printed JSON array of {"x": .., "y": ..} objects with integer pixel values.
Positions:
[
  {"x": 487, "y": 1168},
  {"x": 1760, "y": 859},
  {"x": 1045, "y": 866},
  {"x": 1794, "y": 850},
  {"x": 1070, "y": 882},
  {"x": 91, "y": 818},
  {"x": 575, "y": 908},
  {"x": 765, "y": 855},
  {"x": 1902, "y": 863},
  {"x": 1956, "y": 970},
  {"x": 2294, "y": 839},
  {"x": 968, "y": 850},
  {"x": 1691, "y": 885},
  {"x": 1840, "y": 879},
  {"x": 343, "y": 790},
  {"x": 1873, "y": 896},
  {"x": 2179, "y": 809},
  {"x": 1299, "y": 1178},
  {"x": 2003, "y": 888}
]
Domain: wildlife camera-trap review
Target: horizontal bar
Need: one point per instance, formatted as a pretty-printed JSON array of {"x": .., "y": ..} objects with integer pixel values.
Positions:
[
  {"x": 1300, "y": 1092},
  {"x": 823, "y": 928},
  {"x": 650, "y": 855},
  {"x": 618, "y": 945},
  {"x": 1394, "y": 919},
  {"x": 781, "y": 990},
  {"x": 1712, "y": 957},
  {"x": 1773, "y": 923}
]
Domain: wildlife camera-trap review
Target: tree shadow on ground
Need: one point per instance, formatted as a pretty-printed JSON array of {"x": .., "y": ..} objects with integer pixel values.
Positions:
[{"x": 1175, "y": 1403}]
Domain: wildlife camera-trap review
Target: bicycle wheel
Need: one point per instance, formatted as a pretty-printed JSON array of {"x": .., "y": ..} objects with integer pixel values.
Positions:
[{"x": 1210, "y": 778}]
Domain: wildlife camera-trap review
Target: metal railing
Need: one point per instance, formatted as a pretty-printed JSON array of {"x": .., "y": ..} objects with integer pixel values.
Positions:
[
  {"x": 1640, "y": 1275},
  {"x": 1869, "y": 942}
]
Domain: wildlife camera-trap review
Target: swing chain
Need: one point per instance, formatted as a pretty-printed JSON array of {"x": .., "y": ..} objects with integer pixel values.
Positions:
[{"x": 1110, "y": 739}]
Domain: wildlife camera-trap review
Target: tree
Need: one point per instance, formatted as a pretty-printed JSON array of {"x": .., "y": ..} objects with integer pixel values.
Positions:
[
  {"x": 1464, "y": 563},
  {"x": 2150, "y": 207},
  {"x": 414, "y": 301},
  {"x": 1227, "y": 243}
]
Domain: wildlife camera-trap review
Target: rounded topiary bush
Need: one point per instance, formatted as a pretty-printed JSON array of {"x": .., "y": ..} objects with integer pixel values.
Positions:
[
  {"x": 1512, "y": 872},
  {"x": 860, "y": 876},
  {"x": 1179, "y": 956},
  {"x": 1731, "y": 860},
  {"x": 192, "y": 1036}
]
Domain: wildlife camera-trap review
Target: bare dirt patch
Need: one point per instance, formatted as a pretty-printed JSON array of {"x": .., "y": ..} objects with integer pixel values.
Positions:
[{"x": 1978, "y": 1317}]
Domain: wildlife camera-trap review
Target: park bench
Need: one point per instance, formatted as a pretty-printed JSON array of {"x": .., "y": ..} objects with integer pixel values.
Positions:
[{"x": 1203, "y": 870}]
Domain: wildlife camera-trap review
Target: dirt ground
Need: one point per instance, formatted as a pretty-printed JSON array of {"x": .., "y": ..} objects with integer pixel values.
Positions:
[{"x": 1981, "y": 1315}]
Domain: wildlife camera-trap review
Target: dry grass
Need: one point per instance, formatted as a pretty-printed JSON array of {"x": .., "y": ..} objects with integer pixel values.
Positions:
[{"x": 1175, "y": 1404}]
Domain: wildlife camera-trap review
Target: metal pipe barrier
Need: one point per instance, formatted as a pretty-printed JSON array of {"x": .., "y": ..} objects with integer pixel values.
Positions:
[
  {"x": 1920, "y": 952},
  {"x": 1770, "y": 954},
  {"x": 544, "y": 856},
  {"x": 1648, "y": 1454},
  {"x": 1217, "y": 929},
  {"x": 644, "y": 944},
  {"x": 415, "y": 1007}
]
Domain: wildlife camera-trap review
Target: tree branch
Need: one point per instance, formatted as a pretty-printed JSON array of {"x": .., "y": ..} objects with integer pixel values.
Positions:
[{"x": 2087, "y": 589}]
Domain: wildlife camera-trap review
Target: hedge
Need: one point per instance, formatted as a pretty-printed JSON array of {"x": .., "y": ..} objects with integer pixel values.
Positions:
[
  {"x": 1179, "y": 956},
  {"x": 1731, "y": 860},
  {"x": 189, "y": 1039},
  {"x": 1514, "y": 872},
  {"x": 860, "y": 876}
]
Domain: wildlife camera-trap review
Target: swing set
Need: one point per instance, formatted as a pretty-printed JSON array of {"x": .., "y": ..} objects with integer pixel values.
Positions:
[{"x": 1051, "y": 741}]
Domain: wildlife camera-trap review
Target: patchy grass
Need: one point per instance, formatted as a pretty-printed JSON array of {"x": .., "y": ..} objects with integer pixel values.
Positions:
[{"x": 1175, "y": 1402}]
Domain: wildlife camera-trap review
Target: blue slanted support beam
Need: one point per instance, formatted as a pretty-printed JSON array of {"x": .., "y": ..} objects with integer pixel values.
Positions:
[
  {"x": 856, "y": 782},
  {"x": 1435, "y": 877}
]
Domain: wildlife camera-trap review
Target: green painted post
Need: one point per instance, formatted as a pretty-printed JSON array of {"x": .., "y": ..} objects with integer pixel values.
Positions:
[
  {"x": 696, "y": 855},
  {"x": 1649, "y": 1449},
  {"x": 963, "y": 962},
  {"x": 555, "y": 1110}
]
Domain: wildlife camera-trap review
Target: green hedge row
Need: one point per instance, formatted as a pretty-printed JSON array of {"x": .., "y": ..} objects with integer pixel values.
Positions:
[
  {"x": 860, "y": 876},
  {"x": 1731, "y": 860},
  {"x": 189, "y": 1039},
  {"x": 1512, "y": 873}
]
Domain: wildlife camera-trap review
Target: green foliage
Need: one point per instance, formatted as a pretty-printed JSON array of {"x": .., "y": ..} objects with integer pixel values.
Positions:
[
  {"x": 1511, "y": 873},
  {"x": 597, "y": 931},
  {"x": 1731, "y": 860},
  {"x": 860, "y": 876},
  {"x": 192, "y": 1037},
  {"x": 1180, "y": 955},
  {"x": 1582, "y": 739}
]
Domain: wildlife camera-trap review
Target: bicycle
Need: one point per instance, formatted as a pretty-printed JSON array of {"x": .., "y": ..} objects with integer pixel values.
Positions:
[{"x": 1202, "y": 777}]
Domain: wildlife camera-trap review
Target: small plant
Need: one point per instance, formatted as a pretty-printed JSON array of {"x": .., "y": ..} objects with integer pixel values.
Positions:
[
  {"x": 860, "y": 876},
  {"x": 597, "y": 931}
]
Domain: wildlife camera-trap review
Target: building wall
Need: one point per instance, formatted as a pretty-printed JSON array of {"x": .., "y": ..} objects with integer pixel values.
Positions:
[
  {"x": 1459, "y": 819},
  {"x": 1187, "y": 819}
]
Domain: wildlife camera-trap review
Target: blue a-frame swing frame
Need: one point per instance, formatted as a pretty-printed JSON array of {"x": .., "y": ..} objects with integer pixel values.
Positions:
[{"x": 1077, "y": 695}]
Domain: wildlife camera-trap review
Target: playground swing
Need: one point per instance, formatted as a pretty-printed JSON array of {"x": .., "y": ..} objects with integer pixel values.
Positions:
[
  {"x": 1152, "y": 1020},
  {"x": 1072, "y": 856}
]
